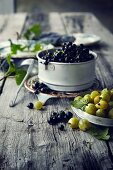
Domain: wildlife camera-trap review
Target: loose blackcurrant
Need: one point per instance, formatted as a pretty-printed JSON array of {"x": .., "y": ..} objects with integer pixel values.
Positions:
[
  {"x": 61, "y": 127},
  {"x": 30, "y": 106}
]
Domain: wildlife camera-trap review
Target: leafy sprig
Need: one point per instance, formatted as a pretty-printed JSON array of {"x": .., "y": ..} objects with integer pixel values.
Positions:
[
  {"x": 19, "y": 76},
  {"x": 79, "y": 104},
  {"x": 101, "y": 133},
  {"x": 37, "y": 47},
  {"x": 33, "y": 31},
  {"x": 13, "y": 70},
  {"x": 16, "y": 47},
  {"x": 19, "y": 47}
]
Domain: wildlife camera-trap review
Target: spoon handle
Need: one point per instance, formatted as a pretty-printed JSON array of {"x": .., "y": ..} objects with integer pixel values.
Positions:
[{"x": 12, "y": 103}]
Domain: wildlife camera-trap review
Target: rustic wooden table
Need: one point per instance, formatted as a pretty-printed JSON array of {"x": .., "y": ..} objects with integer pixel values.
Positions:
[{"x": 41, "y": 146}]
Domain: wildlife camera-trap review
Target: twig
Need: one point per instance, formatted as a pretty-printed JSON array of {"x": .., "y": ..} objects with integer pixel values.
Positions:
[
  {"x": 2, "y": 85},
  {"x": 7, "y": 75},
  {"x": 3, "y": 78}
]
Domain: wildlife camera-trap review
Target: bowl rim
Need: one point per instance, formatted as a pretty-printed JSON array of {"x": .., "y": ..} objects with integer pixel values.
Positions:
[
  {"x": 60, "y": 63},
  {"x": 103, "y": 121}
]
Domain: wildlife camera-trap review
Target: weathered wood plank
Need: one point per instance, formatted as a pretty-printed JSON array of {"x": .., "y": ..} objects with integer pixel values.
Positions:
[
  {"x": 10, "y": 24},
  {"x": 56, "y": 23},
  {"x": 45, "y": 146},
  {"x": 86, "y": 23},
  {"x": 14, "y": 154},
  {"x": 89, "y": 24},
  {"x": 78, "y": 22},
  {"x": 29, "y": 142},
  {"x": 50, "y": 22}
]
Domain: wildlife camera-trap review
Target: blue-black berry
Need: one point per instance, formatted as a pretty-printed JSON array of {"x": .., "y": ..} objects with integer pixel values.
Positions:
[
  {"x": 68, "y": 53},
  {"x": 61, "y": 127},
  {"x": 69, "y": 115},
  {"x": 30, "y": 106}
]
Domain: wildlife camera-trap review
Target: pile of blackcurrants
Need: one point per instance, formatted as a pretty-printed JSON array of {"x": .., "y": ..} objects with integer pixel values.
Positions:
[
  {"x": 60, "y": 117},
  {"x": 68, "y": 53},
  {"x": 40, "y": 87}
]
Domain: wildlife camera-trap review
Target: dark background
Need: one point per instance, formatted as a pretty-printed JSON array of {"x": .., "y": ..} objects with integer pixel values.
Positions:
[{"x": 103, "y": 9}]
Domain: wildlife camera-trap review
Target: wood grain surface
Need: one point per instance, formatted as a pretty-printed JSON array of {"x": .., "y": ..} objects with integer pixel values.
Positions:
[{"x": 27, "y": 141}]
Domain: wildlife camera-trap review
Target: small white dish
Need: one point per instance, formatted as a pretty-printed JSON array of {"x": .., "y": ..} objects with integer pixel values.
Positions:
[
  {"x": 93, "y": 119},
  {"x": 86, "y": 39},
  {"x": 5, "y": 48}
]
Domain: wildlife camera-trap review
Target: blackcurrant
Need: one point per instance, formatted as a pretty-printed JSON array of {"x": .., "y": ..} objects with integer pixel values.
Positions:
[
  {"x": 69, "y": 115},
  {"x": 35, "y": 85},
  {"x": 61, "y": 127},
  {"x": 30, "y": 106}
]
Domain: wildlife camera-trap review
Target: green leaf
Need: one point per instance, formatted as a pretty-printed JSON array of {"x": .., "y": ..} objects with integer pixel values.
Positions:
[
  {"x": 16, "y": 47},
  {"x": 27, "y": 34},
  {"x": 11, "y": 70},
  {"x": 83, "y": 107},
  {"x": 33, "y": 31},
  {"x": 19, "y": 76},
  {"x": 36, "y": 29},
  {"x": 104, "y": 137},
  {"x": 100, "y": 133},
  {"x": 12, "y": 67},
  {"x": 8, "y": 58},
  {"x": 19, "y": 73},
  {"x": 79, "y": 104},
  {"x": 37, "y": 47}
]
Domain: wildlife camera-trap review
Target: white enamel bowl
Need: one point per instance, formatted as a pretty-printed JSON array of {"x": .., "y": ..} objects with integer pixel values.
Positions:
[{"x": 67, "y": 76}]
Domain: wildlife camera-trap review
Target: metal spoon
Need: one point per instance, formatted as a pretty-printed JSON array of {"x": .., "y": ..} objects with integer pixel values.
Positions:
[
  {"x": 12, "y": 103},
  {"x": 25, "y": 63}
]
